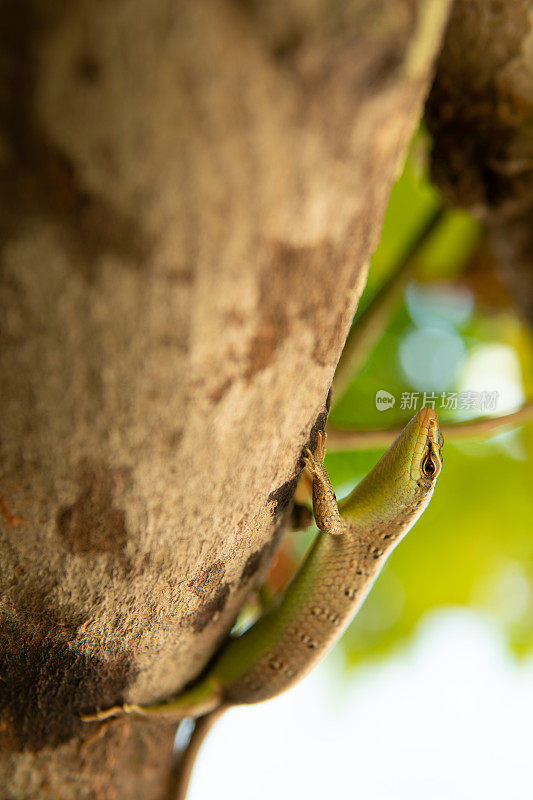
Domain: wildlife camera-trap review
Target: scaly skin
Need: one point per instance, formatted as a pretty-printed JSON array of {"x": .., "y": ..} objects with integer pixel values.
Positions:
[{"x": 354, "y": 541}]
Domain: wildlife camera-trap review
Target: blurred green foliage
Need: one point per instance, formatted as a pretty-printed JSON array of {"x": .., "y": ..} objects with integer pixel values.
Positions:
[{"x": 474, "y": 545}]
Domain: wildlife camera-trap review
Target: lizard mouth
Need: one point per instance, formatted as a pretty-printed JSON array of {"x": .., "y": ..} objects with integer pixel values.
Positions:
[
  {"x": 426, "y": 461},
  {"x": 427, "y": 417}
]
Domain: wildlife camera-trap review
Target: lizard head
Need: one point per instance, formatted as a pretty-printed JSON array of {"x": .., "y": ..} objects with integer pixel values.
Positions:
[
  {"x": 414, "y": 460},
  {"x": 402, "y": 482},
  {"x": 412, "y": 464}
]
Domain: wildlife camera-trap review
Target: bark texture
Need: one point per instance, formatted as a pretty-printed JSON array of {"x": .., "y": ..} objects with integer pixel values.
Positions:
[
  {"x": 190, "y": 195},
  {"x": 481, "y": 114}
]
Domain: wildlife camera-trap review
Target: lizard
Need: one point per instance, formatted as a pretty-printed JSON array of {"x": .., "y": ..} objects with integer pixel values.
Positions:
[{"x": 354, "y": 539}]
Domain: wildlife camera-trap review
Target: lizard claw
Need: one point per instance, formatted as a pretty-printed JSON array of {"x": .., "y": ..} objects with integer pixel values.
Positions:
[
  {"x": 320, "y": 449},
  {"x": 309, "y": 462},
  {"x": 114, "y": 711}
]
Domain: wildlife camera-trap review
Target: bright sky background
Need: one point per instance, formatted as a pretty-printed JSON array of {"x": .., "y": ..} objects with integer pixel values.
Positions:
[{"x": 449, "y": 718}]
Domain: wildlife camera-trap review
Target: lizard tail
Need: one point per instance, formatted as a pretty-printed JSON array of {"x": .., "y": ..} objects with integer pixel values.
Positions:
[
  {"x": 185, "y": 765},
  {"x": 201, "y": 699}
]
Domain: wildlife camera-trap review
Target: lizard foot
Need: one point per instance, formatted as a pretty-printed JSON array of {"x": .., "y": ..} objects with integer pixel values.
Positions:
[
  {"x": 314, "y": 462},
  {"x": 114, "y": 711}
]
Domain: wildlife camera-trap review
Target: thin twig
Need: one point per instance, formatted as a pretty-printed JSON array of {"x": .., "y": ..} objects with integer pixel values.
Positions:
[
  {"x": 368, "y": 327},
  {"x": 350, "y": 439}
]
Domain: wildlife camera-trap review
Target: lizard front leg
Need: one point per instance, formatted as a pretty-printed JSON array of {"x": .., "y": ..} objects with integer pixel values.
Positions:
[{"x": 325, "y": 508}]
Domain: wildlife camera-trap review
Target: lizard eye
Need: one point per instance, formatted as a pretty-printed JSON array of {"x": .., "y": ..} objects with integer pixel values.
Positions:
[{"x": 430, "y": 466}]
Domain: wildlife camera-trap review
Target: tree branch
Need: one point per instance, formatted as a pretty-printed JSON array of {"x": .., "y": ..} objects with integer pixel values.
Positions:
[{"x": 191, "y": 192}]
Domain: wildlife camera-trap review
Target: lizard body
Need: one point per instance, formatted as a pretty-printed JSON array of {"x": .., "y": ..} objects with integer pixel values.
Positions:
[{"x": 354, "y": 540}]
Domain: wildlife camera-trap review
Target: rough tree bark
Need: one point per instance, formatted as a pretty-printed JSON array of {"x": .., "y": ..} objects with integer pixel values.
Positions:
[
  {"x": 190, "y": 195},
  {"x": 481, "y": 113}
]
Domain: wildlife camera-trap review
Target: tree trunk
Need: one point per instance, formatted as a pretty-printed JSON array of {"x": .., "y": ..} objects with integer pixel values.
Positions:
[
  {"x": 481, "y": 114},
  {"x": 191, "y": 193}
]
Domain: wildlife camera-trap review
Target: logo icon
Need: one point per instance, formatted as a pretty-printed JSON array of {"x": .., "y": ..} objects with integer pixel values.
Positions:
[{"x": 384, "y": 400}]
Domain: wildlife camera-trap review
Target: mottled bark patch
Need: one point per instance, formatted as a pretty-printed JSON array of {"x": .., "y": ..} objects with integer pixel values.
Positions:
[
  {"x": 208, "y": 579},
  {"x": 282, "y": 496},
  {"x": 253, "y": 564},
  {"x": 208, "y": 586},
  {"x": 210, "y": 610},
  {"x": 37, "y": 178},
  {"x": 290, "y": 289},
  {"x": 268, "y": 337},
  {"x": 92, "y": 523},
  {"x": 39, "y": 605},
  {"x": 218, "y": 393},
  {"x": 46, "y": 684}
]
